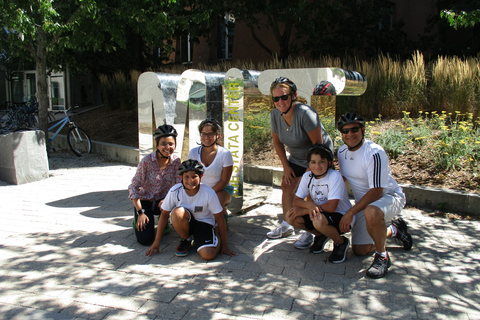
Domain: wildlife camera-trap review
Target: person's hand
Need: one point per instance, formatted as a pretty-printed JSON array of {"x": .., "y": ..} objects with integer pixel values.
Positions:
[
  {"x": 293, "y": 212},
  {"x": 288, "y": 175},
  {"x": 345, "y": 223},
  {"x": 226, "y": 250},
  {"x": 314, "y": 211},
  {"x": 142, "y": 221},
  {"x": 154, "y": 247}
]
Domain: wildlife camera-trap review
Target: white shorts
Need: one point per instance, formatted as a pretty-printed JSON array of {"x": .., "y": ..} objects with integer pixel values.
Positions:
[{"x": 390, "y": 203}]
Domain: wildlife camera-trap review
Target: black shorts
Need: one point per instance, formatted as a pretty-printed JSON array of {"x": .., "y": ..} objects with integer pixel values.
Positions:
[
  {"x": 332, "y": 218},
  {"x": 298, "y": 170},
  {"x": 203, "y": 233}
]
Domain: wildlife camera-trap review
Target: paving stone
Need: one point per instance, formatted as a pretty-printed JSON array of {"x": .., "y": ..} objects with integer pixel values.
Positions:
[{"x": 72, "y": 254}]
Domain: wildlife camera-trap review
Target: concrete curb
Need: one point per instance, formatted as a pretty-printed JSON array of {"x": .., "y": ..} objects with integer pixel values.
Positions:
[{"x": 417, "y": 196}]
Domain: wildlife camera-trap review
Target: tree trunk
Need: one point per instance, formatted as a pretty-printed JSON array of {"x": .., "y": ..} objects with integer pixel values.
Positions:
[{"x": 42, "y": 83}]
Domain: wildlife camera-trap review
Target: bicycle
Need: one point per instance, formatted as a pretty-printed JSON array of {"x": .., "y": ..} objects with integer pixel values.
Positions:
[
  {"x": 19, "y": 116},
  {"x": 78, "y": 140}
]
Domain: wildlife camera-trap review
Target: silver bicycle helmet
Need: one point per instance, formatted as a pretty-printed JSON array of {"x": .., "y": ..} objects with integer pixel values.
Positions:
[{"x": 190, "y": 165}]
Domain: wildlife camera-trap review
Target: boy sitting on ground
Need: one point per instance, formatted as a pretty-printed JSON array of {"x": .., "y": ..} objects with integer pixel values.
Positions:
[
  {"x": 193, "y": 208},
  {"x": 328, "y": 201}
]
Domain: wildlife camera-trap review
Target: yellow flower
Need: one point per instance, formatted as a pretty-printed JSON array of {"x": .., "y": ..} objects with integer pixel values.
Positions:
[{"x": 420, "y": 138}]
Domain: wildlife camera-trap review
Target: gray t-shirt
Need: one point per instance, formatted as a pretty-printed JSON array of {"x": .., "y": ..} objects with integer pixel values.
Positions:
[{"x": 295, "y": 137}]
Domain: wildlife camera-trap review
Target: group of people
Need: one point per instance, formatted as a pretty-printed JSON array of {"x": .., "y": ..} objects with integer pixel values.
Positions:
[
  {"x": 314, "y": 193},
  {"x": 171, "y": 189}
]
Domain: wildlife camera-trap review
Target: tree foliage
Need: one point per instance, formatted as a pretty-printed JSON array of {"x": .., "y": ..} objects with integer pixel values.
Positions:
[
  {"x": 463, "y": 16},
  {"x": 54, "y": 33}
]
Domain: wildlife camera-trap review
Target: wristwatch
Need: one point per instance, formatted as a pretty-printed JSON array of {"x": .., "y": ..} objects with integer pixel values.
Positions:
[{"x": 139, "y": 212}]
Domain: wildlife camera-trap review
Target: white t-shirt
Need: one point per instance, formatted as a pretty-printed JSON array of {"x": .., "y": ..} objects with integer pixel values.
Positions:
[
  {"x": 203, "y": 205},
  {"x": 213, "y": 173},
  {"x": 329, "y": 187},
  {"x": 367, "y": 168}
]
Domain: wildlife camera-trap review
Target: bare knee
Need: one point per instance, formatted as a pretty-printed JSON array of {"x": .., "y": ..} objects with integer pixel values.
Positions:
[
  {"x": 179, "y": 215},
  {"x": 320, "y": 223},
  {"x": 373, "y": 215},
  {"x": 208, "y": 254}
]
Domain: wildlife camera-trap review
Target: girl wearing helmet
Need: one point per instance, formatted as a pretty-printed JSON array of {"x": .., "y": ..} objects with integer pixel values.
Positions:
[
  {"x": 156, "y": 174},
  {"x": 194, "y": 210},
  {"x": 297, "y": 126},
  {"x": 325, "y": 206},
  {"x": 217, "y": 161}
]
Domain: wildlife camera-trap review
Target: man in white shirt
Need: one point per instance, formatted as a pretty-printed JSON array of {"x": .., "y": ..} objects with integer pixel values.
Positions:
[{"x": 378, "y": 197}]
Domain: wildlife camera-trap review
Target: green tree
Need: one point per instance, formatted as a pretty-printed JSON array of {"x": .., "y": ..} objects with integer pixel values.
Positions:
[
  {"x": 45, "y": 31},
  {"x": 463, "y": 16}
]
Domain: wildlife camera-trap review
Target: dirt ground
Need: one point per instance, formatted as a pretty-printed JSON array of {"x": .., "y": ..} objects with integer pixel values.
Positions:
[{"x": 120, "y": 127}]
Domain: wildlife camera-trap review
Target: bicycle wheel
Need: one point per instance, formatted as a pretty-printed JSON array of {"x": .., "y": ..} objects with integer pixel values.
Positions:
[
  {"x": 6, "y": 122},
  {"x": 79, "y": 141}
]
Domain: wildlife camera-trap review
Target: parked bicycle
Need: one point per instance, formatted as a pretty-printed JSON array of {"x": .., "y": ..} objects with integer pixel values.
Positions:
[
  {"x": 19, "y": 116},
  {"x": 78, "y": 140}
]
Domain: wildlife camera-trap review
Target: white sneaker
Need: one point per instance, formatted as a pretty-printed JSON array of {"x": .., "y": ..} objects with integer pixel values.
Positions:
[
  {"x": 305, "y": 241},
  {"x": 284, "y": 230}
]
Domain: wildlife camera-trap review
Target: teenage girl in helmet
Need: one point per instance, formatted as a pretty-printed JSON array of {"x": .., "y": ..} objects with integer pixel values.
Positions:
[
  {"x": 297, "y": 126},
  {"x": 156, "y": 174},
  {"x": 194, "y": 210},
  {"x": 216, "y": 160}
]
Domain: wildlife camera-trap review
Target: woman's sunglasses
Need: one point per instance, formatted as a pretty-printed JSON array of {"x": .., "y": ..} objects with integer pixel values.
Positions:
[
  {"x": 284, "y": 97},
  {"x": 354, "y": 129}
]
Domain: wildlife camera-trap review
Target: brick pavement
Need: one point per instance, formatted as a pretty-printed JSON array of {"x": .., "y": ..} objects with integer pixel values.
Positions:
[{"x": 67, "y": 251}]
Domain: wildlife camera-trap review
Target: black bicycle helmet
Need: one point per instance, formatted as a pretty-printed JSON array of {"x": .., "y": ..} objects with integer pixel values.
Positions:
[
  {"x": 211, "y": 122},
  {"x": 190, "y": 165},
  {"x": 348, "y": 118},
  {"x": 165, "y": 131},
  {"x": 318, "y": 147},
  {"x": 287, "y": 81},
  {"x": 324, "y": 88}
]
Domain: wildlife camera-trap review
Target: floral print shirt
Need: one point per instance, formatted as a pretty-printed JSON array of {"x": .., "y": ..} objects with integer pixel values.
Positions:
[{"x": 152, "y": 183}]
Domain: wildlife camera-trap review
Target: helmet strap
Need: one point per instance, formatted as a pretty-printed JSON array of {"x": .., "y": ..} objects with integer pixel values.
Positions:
[
  {"x": 291, "y": 105},
  {"x": 354, "y": 147},
  {"x": 318, "y": 176},
  {"x": 161, "y": 155},
  {"x": 205, "y": 146},
  {"x": 197, "y": 187}
]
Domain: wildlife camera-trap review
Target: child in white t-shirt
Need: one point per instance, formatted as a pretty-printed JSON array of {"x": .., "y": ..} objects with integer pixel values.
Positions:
[
  {"x": 194, "y": 210},
  {"x": 320, "y": 202}
]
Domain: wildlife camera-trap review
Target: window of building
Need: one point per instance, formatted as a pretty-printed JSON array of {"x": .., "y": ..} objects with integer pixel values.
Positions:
[
  {"x": 225, "y": 31},
  {"x": 186, "y": 49}
]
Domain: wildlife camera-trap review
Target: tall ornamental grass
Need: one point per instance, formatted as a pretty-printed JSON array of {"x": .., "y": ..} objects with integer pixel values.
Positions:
[{"x": 394, "y": 86}]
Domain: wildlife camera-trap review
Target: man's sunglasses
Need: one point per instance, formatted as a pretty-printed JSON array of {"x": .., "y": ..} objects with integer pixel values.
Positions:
[
  {"x": 284, "y": 97},
  {"x": 354, "y": 129}
]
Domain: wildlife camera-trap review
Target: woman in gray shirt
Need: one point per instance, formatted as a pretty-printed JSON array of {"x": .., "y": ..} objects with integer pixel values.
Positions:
[{"x": 297, "y": 126}]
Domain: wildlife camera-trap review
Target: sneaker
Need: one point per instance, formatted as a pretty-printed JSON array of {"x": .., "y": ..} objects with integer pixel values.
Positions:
[
  {"x": 379, "y": 267},
  {"x": 402, "y": 233},
  {"x": 284, "y": 230},
  {"x": 339, "y": 251},
  {"x": 305, "y": 241},
  {"x": 318, "y": 244},
  {"x": 183, "y": 247}
]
